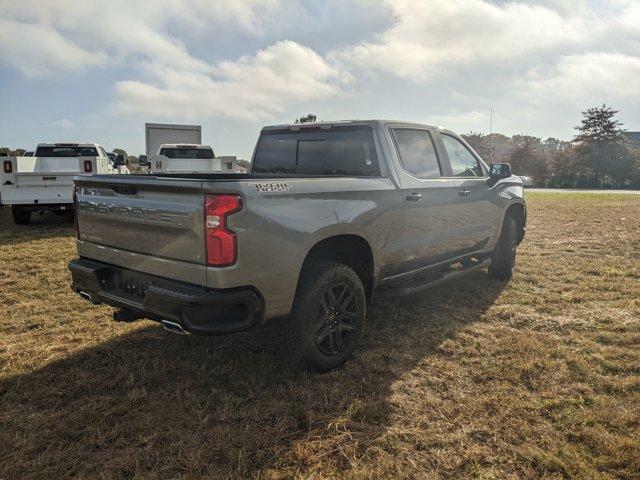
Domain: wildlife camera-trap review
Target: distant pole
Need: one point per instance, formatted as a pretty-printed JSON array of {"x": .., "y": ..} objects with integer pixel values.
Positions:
[{"x": 491, "y": 135}]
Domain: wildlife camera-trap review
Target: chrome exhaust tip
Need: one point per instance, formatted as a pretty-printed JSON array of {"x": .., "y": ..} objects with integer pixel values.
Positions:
[
  {"x": 173, "y": 327},
  {"x": 85, "y": 295},
  {"x": 88, "y": 296}
]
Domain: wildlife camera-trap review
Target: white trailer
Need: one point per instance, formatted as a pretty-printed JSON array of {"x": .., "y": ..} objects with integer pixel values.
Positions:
[
  {"x": 45, "y": 181},
  {"x": 158, "y": 133}
]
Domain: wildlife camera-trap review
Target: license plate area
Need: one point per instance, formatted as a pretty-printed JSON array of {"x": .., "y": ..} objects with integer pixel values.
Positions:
[{"x": 130, "y": 285}]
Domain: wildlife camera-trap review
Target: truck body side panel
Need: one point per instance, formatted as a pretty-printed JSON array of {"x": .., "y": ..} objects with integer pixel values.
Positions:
[
  {"x": 276, "y": 230},
  {"x": 159, "y": 229}
]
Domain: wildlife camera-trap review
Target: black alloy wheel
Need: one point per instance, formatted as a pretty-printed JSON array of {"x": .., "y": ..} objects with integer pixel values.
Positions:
[{"x": 335, "y": 318}]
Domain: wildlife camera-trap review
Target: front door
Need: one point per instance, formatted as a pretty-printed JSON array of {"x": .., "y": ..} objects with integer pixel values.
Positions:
[
  {"x": 476, "y": 213},
  {"x": 429, "y": 200}
]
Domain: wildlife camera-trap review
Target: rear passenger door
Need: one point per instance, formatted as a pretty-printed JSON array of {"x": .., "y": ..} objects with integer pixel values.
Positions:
[
  {"x": 429, "y": 198},
  {"x": 476, "y": 212}
]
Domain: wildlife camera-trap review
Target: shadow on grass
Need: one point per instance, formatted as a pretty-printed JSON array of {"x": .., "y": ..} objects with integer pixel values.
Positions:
[
  {"x": 42, "y": 226},
  {"x": 153, "y": 404}
]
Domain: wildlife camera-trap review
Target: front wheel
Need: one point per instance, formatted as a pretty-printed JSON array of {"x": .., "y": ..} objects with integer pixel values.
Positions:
[
  {"x": 327, "y": 317},
  {"x": 503, "y": 259},
  {"x": 21, "y": 216}
]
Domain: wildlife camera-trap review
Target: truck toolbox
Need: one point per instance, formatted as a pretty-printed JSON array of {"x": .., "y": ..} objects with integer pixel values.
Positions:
[{"x": 196, "y": 309}]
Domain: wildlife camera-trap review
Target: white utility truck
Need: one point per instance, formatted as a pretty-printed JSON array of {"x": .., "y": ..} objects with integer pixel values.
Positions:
[
  {"x": 45, "y": 181},
  {"x": 189, "y": 158}
]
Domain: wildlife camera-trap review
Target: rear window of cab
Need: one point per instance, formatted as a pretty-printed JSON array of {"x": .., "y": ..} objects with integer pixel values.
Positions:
[
  {"x": 66, "y": 152},
  {"x": 339, "y": 151}
]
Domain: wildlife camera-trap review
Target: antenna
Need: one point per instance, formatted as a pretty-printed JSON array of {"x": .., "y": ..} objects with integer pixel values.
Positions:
[{"x": 491, "y": 135}]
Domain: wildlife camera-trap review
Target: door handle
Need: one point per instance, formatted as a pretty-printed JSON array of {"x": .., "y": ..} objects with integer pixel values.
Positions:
[
  {"x": 413, "y": 197},
  {"x": 464, "y": 193}
]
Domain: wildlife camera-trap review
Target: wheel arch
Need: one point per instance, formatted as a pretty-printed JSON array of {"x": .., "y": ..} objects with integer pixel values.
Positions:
[
  {"x": 350, "y": 249},
  {"x": 519, "y": 213}
]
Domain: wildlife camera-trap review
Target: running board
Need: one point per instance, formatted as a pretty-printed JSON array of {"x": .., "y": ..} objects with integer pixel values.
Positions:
[{"x": 447, "y": 276}]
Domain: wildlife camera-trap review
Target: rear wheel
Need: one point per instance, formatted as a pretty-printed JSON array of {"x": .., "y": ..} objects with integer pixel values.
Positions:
[
  {"x": 21, "y": 216},
  {"x": 327, "y": 317},
  {"x": 504, "y": 256}
]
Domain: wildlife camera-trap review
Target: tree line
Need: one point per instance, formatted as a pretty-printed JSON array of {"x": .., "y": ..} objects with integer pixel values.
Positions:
[{"x": 601, "y": 154}]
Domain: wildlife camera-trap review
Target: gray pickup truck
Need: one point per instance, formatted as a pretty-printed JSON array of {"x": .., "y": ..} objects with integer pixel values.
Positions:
[{"x": 330, "y": 214}]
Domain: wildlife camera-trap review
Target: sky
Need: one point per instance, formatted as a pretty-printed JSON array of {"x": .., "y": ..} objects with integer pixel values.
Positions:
[{"x": 96, "y": 71}]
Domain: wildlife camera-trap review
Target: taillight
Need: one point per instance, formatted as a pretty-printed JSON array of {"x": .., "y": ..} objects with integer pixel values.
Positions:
[
  {"x": 8, "y": 166},
  {"x": 221, "y": 244},
  {"x": 88, "y": 166}
]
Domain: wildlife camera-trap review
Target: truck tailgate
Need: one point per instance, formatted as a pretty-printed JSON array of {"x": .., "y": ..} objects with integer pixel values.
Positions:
[{"x": 163, "y": 218}]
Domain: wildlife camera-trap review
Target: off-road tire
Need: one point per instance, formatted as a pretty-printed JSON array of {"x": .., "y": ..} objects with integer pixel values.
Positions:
[
  {"x": 503, "y": 259},
  {"x": 20, "y": 215},
  {"x": 308, "y": 312}
]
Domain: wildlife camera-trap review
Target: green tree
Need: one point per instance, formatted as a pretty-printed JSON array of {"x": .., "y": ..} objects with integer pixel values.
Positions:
[
  {"x": 480, "y": 143},
  {"x": 309, "y": 118},
  {"x": 599, "y": 145},
  {"x": 561, "y": 161},
  {"x": 7, "y": 152},
  {"x": 244, "y": 163},
  {"x": 634, "y": 153},
  {"x": 527, "y": 157}
]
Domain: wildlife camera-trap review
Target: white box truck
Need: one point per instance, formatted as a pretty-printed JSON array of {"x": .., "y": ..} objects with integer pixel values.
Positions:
[
  {"x": 45, "y": 181},
  {"x": 172, "y": 148},
  {"x": 158, "y": 133}
]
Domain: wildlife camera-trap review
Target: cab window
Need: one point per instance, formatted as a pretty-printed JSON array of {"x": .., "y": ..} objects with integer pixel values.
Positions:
[
  {"x": 417, "y": 152},
  {"x": 463, "y": 163}
]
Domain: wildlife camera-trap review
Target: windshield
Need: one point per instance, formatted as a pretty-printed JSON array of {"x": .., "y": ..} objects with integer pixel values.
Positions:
[
  {"x": 66, "y": 152},
  {"x": 339, "y": 151},
  {"x": 184, "y": 152}
]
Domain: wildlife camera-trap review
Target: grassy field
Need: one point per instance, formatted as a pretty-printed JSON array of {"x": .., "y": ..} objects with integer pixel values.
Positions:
[{"x": 535, "y": 378}]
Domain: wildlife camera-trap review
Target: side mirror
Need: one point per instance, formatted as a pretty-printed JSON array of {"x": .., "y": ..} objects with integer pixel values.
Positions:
[
  {"x": 499, "y": 170},
  {"x": 142, "y": 161}
]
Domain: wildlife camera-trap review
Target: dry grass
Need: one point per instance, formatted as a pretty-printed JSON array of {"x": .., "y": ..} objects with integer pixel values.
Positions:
[{"x": 536, "y": 378}]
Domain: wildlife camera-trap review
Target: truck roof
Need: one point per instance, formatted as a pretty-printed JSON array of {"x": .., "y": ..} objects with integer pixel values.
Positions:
[
  {"x": 69, "y": 144},
  {"x": 184, "y": 145},
  {"x": 371, "y": 123}
]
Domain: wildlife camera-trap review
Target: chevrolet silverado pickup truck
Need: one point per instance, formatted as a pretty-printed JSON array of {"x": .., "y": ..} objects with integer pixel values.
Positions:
[
  {"x": 331, "y": 214},
  {"x": 44, "y": 181}
]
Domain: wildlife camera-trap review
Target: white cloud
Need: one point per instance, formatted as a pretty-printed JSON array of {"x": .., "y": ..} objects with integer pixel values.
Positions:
[
  {"x": 462, "y": 121},
  {"x": 41, "y": 37},
  {"x": 168, "y": 80},
  {"x": 592, "y": 75},
  {"x": 183, "y": 58},
  {"x": 63, "y": 123},
  {"x": 253, "y": 87},
  {"x": 433, "y": 38},
  {"x": 37, "y": 50}
]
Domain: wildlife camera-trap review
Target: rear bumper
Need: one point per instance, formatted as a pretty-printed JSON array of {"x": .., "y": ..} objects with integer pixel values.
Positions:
[
  {"x": 37, "y": 196},
  {"x": 45, "y": 206},
  {"x": 197, "y": 309}
]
